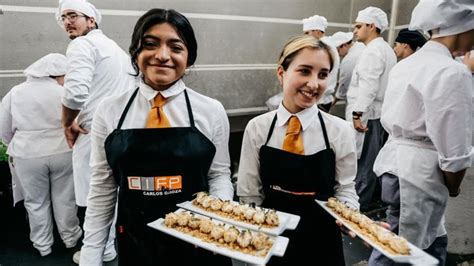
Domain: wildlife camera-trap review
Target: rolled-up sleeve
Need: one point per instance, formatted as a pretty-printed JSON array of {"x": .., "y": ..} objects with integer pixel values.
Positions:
[
  {"x": 448, "y": 109},
  {"x": 80, "y": 71}
]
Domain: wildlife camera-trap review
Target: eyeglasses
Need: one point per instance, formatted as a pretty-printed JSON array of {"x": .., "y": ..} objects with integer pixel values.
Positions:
[{"x": 71, "y": 17}]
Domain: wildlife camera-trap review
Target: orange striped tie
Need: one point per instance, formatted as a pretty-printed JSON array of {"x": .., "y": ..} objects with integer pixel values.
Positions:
[
  {"x": 157, "y": 117},
  {"x": 293, "y": 141}
]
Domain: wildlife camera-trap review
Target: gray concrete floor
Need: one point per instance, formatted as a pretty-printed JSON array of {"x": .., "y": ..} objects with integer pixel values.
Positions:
[{"x": 17, "y": 250}]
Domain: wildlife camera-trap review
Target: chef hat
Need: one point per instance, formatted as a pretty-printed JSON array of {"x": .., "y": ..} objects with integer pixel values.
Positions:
[
  {"x": 49, "y": 65},
  {"x": 443, "y": 17},
  {"x": 315, "y": 23},
  {"x": 332, "y": 52},
  {"x": 339, "y": 38},
  {"x": 411, "y": 37},
  {"x": 82, "y": 6},
  {"x": 373, "y": 15}
]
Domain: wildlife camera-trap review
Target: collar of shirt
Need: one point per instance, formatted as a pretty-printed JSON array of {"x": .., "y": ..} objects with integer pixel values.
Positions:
[
  {"x": 149, "y": 93},
  {"x": 437, "y": 48},
  {"x": 94, "y": 31},
  {"x": 305, "y": 116},
  {"x": 376, "y": 41}
]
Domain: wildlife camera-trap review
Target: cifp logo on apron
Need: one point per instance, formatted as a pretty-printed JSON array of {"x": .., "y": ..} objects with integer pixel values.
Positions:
[{"x": 156, "y": 185}]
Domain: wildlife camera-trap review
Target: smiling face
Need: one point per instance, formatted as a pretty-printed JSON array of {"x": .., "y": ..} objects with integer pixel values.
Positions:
[
  {"x": 76, "y": 24},
  {"x": 163, "y": 57},
  {"x": 304, "y": 81}
]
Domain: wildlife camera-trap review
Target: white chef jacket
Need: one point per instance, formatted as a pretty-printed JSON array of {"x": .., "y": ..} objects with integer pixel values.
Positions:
[
  {"x": 429, "y": 99},
  {"x": 348, "y": 64},
  {"x": 341, "y": 139},
  {"x": 332, "y": 77},
  {"x": 210, "y": 119},
  {"x": 97, "y": 67},
  {"x": 369, "y": 80},
  {"x": 427, "y": 112},
  {"x": 30, "y": 117}
]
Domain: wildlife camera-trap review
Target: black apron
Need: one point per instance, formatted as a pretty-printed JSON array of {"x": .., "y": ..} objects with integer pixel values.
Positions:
[
  {"x": 156, "y": 168},
  {"x": 288, "y": 181}
]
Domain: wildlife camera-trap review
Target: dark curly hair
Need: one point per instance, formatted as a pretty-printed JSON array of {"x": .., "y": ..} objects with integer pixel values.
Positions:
[{"x": 158, "y": 16}]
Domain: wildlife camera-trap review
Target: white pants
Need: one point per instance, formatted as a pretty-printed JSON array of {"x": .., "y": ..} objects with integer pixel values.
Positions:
[
  {"x": 48, "y": 187},
  {"x": 81, "y": 155}
]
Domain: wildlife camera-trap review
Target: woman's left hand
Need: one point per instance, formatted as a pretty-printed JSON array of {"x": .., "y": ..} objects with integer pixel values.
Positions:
[{"x": 345, "y": 230}]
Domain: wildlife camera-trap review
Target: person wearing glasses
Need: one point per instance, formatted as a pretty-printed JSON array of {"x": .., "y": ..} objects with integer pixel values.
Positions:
[{"x": 97, "y": 67}]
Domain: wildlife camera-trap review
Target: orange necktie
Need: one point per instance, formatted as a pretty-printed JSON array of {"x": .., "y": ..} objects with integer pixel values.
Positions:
[
  {"x": 293, "y": 141},
  {"x": 157, "y": 117}
]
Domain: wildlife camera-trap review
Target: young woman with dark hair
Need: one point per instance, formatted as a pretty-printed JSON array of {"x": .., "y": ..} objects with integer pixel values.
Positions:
[{"x": 160, "y": 143}]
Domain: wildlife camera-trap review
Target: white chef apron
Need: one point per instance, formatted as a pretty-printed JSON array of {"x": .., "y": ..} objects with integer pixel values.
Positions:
[
  {"x": 423, "y": 194},
  {"x": 81, "y": 154}
]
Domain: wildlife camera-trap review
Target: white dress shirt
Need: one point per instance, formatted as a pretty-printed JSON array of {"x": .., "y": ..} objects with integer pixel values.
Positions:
[
  {"x": 97, "y": 67},
  {"x": 348, "y": 64},
  {"x": 30, "y": 117},
  {"x": 210, "y": 119},
  {"x": 369, "y": 79},
  {"x": 429, "y": 99},
  {"x": 341, "y": 139}
]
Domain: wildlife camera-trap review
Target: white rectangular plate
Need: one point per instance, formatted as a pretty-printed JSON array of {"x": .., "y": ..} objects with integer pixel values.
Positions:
[
  {"x": 278, "y": 249},
  {"x": 287, "y": 220},
  {"x": 416, "y": 257}
]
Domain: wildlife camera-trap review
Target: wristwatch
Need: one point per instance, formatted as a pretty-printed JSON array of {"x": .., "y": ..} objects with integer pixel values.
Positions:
[{"x": 356, "y": 115}]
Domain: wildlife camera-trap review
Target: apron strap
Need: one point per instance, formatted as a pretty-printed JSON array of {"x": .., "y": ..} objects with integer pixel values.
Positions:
[
  {"x": 270, "y": 132},
  {"x": 125, "y": 111},
  {"x": 190, "y": 111},
  {"x": 323, "y": 126}
]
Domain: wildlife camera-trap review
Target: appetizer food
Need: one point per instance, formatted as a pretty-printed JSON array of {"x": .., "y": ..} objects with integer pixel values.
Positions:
[
  {"x": 389, "y": 241},
  {"x": 246, "y": 241},
  {"x": 240, "y": 212}
]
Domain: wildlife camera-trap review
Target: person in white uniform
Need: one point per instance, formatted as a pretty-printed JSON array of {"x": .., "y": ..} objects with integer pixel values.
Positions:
[
  {"x": 161, "y": 129},
  {"x": 297, "y": 153},
  {"x": 30, "y": 123},
  {"x": 349, "y": 51},
  {"x": 408, "y": 42},
  {"x": 366, "y": 95},
  {"x": 97, "y": 67},
  {"x": 316, "y": 26},
  {"x": 427, "y": 113}
]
